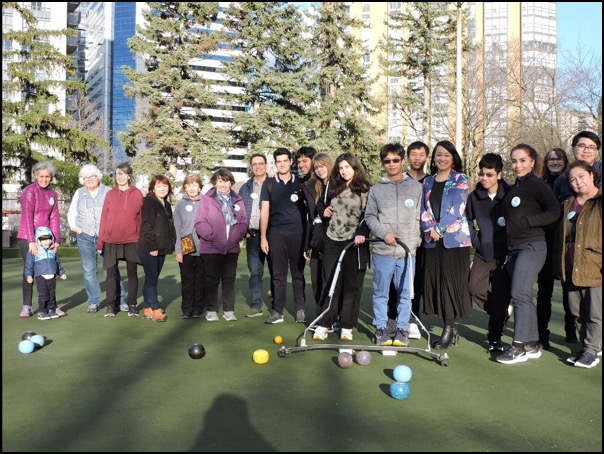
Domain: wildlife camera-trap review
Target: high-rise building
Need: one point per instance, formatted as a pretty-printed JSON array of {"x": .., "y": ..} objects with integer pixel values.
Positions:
[{"x": 513, "y": 42}]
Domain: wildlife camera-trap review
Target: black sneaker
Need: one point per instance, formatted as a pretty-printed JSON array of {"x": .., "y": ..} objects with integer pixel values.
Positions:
[
  {"x": 110, "y": 312},
  {"x": 519, "y": 354},
  {"x": 495, "y": 345},
  {"x": 382, "y": 337},
  {"x": 132, "y": 312},
  {"x": 586, "y": 360},
  {"x": 186, "y": 316}
]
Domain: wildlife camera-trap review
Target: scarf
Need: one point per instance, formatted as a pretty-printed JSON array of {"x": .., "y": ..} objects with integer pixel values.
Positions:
[{"x": 226, "y": 205}]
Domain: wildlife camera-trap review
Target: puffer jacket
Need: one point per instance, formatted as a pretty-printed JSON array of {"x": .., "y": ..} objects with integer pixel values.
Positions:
[{"x": 39, "y": 207}]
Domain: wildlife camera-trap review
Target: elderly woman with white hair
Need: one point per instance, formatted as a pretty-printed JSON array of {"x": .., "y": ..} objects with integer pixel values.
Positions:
[{"x": 84, "y": 219}]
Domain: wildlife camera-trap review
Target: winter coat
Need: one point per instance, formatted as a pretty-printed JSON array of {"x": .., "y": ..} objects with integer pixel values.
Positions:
[
  {"x": 39, "y": 207},
  {"x": 46, "y": 261},
  {"x": 587, "y": 268},
  {"x": 157, "y": 229},
  {"x": 211, "y": 225}
]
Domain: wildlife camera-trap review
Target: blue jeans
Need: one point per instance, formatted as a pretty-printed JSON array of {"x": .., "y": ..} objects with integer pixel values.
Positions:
[
  {"x": 387, "y": 270},
  {"x": 152, "y": 266},
  {"x": 88, "y": 254},
  {"x": 255, "y": 263}
]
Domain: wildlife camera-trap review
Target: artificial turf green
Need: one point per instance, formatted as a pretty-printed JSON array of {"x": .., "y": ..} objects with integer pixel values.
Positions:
[{"x": 128, "y": 384}]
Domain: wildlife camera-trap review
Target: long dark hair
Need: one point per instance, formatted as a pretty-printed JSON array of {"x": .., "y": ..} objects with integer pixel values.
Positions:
[
  {"x": 359, "y": 183},
  {"x": 447, "y": 145}
]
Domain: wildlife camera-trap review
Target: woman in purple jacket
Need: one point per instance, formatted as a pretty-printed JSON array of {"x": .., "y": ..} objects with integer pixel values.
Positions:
[
  {"x": 39, "y": 208},
  {"x": 221, "y": 224}
]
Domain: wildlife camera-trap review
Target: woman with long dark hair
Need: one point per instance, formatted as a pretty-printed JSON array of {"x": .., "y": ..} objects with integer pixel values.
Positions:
[
  {"x": 528, "y": 208},
  {"x": 344, "y": 206},
  {"x": 447, "y": 241}
]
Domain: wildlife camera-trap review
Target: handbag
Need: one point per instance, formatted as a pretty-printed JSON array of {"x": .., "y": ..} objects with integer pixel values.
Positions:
[{"x": 187, "y": 244}]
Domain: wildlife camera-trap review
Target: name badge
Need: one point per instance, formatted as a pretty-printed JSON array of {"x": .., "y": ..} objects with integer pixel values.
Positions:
[
  {"x": 189, "y": 208},
  {"x": 254, "y": 195},
  {"x": 294, "y": 198},
  {"x": 236, "y": 207},
  {"x": 501, "y": 221},
  {"x": 51, "y": 201},
  {"x": 515, "y": 201},
  {"x": 409, "y": 203}
]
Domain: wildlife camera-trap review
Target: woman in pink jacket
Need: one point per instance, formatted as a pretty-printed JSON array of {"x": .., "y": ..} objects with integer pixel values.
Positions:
[
  {"x": 221, "y": 223},
  {"x": 39, "y": 208}
]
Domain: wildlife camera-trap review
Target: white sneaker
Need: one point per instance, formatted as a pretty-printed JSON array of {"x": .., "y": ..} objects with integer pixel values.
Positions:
[
  {"x": 414, "y": 331},
  {"x": 346, "y": 334},
  {"x": 229, "y": 316},
  {"x": 320, "y": 333},
  {"x": 211, "y": 316}
]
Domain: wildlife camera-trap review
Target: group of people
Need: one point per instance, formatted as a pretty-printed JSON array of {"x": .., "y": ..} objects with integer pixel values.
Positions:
[{"x": 427, "y": 226}]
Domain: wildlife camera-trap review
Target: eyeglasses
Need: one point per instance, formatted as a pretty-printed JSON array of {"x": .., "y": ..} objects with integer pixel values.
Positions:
[
  {"x": 90, "y": 178},
  {"x": 556, "y": 160},
  {"x": 256, "y": 164},
  {"x": 583, "y": 147},
  {"x": 488, "y": 175},
  {"x": 121, "y": 174},
  {"x": 393, "y": 161}
]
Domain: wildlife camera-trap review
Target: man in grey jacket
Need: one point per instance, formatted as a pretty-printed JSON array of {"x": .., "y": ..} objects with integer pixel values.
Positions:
[{"x": 392, "y": 214}]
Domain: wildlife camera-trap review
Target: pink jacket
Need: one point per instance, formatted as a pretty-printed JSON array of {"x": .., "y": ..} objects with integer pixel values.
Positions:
[{"x": 39, "y": 208}]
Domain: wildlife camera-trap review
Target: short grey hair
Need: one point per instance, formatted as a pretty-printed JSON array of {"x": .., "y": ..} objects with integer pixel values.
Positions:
[
  {"x": 89, "y": 170},
  {"x": 46, "y": 165}
]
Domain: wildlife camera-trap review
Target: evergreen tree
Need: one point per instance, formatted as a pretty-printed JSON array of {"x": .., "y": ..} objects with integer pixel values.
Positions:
[
  {"x": 33, "y": 127},
  {"x": 419, "y": 45},
  {"x": 175, "y": 128},
  {"x": 341, "y": 119},
  {"x": 272, "y": 69}
]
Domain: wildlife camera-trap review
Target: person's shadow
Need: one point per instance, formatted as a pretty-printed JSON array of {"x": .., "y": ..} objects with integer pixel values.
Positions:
[{"x": 227, "y": 428}]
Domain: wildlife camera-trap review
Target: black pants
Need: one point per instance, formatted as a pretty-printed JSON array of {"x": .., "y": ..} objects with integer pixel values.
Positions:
[
  {"x": 489, "y": 286},
  {"x": 47, "y": 299},
  {"x": 27, "y": 287},
  {"x": 286, "y": 252},
  {"x": 192, "y": 284},
  {"x": 220, "y": 269}
]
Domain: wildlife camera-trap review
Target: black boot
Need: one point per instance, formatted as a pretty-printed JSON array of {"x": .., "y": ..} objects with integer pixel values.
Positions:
[
  {"x": 449, "y": 336},
  {"x": 544, "y": 339}
]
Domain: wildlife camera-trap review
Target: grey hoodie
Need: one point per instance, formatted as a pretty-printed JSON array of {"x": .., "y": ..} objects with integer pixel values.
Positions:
[
  {"x": 184, "y": 221},
  {"x": 394, "y": 206}
]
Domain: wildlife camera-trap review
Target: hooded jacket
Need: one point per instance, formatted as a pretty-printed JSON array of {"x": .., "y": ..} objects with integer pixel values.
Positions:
[
  {"x": 46, "y": 262},
  {"x": 184, "y": 221},
  {"x": 394, "y": 206}
]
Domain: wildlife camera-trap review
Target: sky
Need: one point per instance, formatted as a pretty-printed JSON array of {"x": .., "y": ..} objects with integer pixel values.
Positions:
[{"x": 580, "y": 23}]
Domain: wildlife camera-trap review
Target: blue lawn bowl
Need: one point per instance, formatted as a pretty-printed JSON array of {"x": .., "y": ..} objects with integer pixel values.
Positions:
[
  {"x": 38, "y": 341},
  {"x": 26, "y": 346},
  {"x": 402, "y": 373},
  {"x": 399, "y": 390}
]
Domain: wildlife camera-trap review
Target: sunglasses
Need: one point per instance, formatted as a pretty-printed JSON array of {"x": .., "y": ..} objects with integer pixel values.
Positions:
[
  {"x": 393, "y": 161},
  {"x": 487, "y": 174}
]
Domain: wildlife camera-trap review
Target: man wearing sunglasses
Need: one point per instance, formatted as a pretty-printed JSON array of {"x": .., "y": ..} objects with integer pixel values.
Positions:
[
  {"x": 392, "y": 213},
  {"x": 489, "y": 283}
]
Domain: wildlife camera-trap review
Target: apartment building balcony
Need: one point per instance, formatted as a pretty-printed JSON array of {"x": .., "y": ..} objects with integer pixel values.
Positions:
[
  {"x": 73, "y": 19},
  {"x": 72, "y": 44},
  {"x": 72, "y": 6}
]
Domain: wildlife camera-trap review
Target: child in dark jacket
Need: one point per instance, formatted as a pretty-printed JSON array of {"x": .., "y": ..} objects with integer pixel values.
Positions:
[
  {"x": 489, "y": 283},
  {"x": 44, "y": 267}
]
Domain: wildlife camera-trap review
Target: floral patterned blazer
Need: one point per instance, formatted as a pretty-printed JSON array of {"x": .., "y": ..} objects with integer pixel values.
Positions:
[{"x": 453, "y": 225}]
